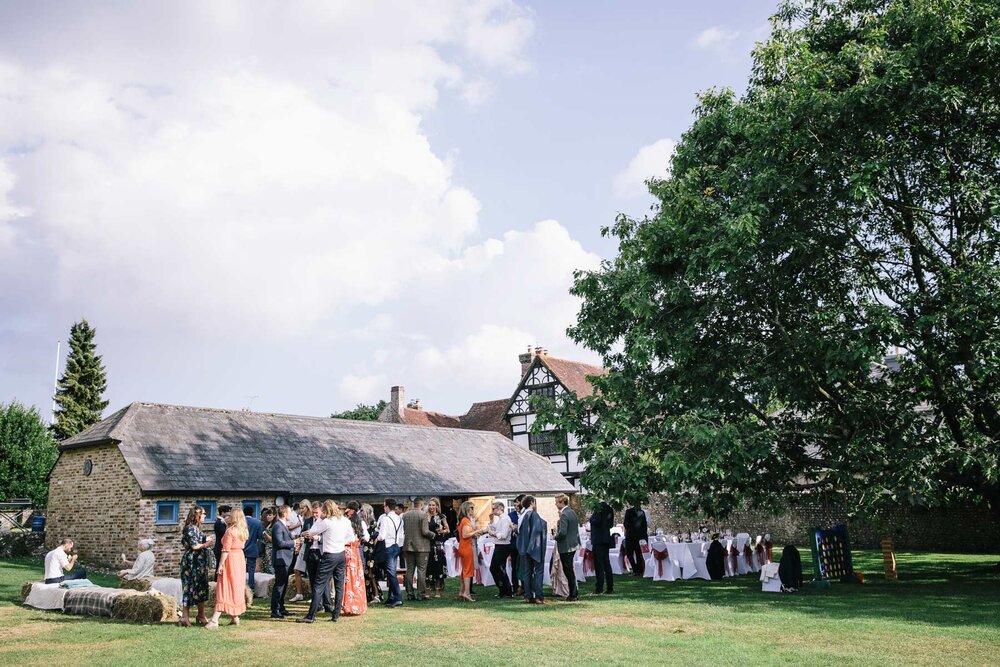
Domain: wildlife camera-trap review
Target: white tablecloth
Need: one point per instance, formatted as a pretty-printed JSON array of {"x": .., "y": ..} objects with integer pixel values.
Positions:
[{"x": 45, "y": 596}]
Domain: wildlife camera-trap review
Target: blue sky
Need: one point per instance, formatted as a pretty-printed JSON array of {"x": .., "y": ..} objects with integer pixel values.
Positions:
[{"x": 291, "y": 206}]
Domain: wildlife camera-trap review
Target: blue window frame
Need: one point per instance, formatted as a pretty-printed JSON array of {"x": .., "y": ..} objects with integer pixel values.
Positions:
[
  {"x": 253, "y": 504},
  {"x": 209, "y": 507},
  {"x": 167, "y": 512}
]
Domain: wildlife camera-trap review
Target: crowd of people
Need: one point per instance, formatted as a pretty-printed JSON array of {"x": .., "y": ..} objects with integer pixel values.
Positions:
[{"x": 344, "y": 554}]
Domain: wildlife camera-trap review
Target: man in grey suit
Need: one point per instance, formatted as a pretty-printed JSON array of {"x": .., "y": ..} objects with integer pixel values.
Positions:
[
  {"x": 567, "y": 542},
  {"x": 417, "y": 536},
  {"x": 532, "y": 537},
  {"x": 282, "y": 549}
]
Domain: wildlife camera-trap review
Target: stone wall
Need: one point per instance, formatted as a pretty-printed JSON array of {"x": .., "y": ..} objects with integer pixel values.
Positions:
[
  {"x": 969, "y": 530},
  {"x": 100, "y": 510}
]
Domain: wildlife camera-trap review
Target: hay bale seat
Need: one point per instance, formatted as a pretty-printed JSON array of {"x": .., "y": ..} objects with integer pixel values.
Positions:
[
  {"x": 210, "y": 603},
  {"x": 26, "y": 588},
  {"x": 142, "y": 584},
  {"x": 290, "y": 591},
  {"x": 149, "y": 607}
]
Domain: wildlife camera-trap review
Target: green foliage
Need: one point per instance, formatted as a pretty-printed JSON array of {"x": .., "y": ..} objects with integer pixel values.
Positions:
[
  {"x": 846, "y": 205},
  {"x": 81, "y": 388},
  {"x": 27, "y": 454},
  {"x": 365, "y": 413}
]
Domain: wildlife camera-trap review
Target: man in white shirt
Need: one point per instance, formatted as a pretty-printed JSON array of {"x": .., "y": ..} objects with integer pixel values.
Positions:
[
  {"x": 336, "y": 532},
  {"x": 390, "y": 534},
  {"x": 501, "y": 529},
  {"x": 59, "y": 564}
]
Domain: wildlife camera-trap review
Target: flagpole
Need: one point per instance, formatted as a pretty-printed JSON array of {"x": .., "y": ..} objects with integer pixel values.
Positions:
[{"x": 55, "y": 383}]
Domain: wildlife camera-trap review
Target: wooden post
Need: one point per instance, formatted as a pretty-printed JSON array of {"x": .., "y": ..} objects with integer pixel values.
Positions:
[{"x": 889, "y": 559}]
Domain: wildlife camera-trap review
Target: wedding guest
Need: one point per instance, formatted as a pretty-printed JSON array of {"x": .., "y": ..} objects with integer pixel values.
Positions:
[
  {"x": 532, "y": 538},
  {"x": 313, "y": 558},
  {"x": 355, "y": 600},
  {"x": 232, "y": 575},
  {"x": 467, "y": 532},
  {"x": 302, "y": 550},
  {"x": 220, "y": 529},
  {"x": 567, "y": 536},
  {"x": 515, "y": 561},
  {"x": 368, "y": 552},
  {"x": 715, "y": 560},
  {"x": 336, "y": 533},
  {"x": 390, "y": 536},
  {"x": 267, "y": 523},
  {"x": 416, "y": 549},
  {"x": 251, "y": 548},
  {"x": 143, "y": 565},
  {"x": 501, "y": 528},
  {"x": 59, "y": 564},
  {"x": 636, "y": 530},
  {"x": 437, "y": 563},
  {"x": 601, "y": 522},
  {"x": 194, "y": 566},
  {"x": 282, "y": 548},
  {"x": 451, "y": 516}
]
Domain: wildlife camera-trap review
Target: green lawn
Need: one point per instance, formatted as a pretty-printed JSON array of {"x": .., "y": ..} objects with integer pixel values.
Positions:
[{"x": 944, "y": 610}]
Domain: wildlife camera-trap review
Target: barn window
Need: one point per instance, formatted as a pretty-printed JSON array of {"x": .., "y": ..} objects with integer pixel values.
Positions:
[
  {"x": 167, "y": 512},
  {"x": 209, "y": 507},
  {"x": 254, "y": 506}
]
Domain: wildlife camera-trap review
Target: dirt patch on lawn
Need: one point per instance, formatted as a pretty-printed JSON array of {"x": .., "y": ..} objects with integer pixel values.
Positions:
[{"x": 657, "y": 623}]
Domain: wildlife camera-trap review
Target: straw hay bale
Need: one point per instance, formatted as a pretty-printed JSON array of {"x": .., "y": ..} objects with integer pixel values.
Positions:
[
  {"x": 148, "y": 607},
  {"x": 26, "y": 589},
  {"x": 142, "y": 585},
  {"x": 290, "y": 590},
  {"x": 247, "y": 593}
]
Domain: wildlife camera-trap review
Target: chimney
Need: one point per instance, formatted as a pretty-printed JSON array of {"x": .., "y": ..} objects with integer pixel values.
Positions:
[
  {"x": 526, "y": 358},
  {"x": 414, "y": 404},
  {"x": 397, "y": 396}
]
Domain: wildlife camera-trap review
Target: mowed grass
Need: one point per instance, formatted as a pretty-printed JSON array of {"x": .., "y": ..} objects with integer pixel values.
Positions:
[{"x": 944, "y": 610}]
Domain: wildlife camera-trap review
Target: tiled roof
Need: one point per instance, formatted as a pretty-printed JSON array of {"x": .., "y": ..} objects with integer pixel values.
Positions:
[
  {"x": 173, "y": 449},
  {"x": 488, "y": 416},
  {"x": 573, "y": 374},
  {"x": 418, "y": 417}
]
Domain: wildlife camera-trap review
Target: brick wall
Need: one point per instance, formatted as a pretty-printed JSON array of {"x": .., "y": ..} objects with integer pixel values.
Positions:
[
  {"x": 100, "y": 510},
  {"x": 969, "y": 530}
]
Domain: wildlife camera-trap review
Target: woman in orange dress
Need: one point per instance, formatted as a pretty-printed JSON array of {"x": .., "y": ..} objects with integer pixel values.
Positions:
[
  {"x": 231, "y": 580},
  {"x": 355, "y": 596},
  {"x": 466, "y": 534}
]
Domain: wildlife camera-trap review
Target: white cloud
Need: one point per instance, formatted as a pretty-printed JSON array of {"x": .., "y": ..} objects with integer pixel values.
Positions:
[
  {"x": 361, "y": 389},
  {"x": 716, "y": 38},
  {"x": 8, "y": 211},
  {"x": 652, "y": 161},
  {"x": 256, "y": 167}
]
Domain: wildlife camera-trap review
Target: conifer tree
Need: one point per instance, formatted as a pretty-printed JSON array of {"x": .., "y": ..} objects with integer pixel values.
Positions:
[{"x": 79, "y": 396}]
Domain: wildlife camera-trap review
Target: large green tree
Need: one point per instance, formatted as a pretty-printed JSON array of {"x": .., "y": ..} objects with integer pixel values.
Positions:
[
  {"x": 27, "y": 454},
  {"x": 80, "y": 392},
  {"x": 366, "y": 413},
  {"x": 845, "y": 206}
]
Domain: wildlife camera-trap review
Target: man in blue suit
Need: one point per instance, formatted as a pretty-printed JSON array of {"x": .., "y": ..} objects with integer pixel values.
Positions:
[
  {"x": 532, "y": 537},
  {"x": 282, "y": 549},
  {"x": 251, "y": 550}
]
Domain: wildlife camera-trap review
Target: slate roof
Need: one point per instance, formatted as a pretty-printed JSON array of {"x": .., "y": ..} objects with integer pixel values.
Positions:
[{"x": 174, "y": 449}]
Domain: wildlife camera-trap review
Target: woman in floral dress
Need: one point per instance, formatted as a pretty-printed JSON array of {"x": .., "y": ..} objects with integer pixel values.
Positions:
[
  {"x": 267, "y": 567},
  {"x": 437, "y": 566},
  {"x": 194, "y": 566}
]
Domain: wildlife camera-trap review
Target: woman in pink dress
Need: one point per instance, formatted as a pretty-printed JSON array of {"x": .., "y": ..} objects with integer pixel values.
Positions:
[
  {"x": 355, "y": 595},
  {"x": 231, "y": 582}
]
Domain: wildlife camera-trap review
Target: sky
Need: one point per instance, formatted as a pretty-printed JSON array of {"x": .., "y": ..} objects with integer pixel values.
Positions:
[{"x": 291, "y": 206}]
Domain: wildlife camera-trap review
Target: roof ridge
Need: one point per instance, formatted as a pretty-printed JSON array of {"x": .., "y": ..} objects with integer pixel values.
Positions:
[{"x": 366, "y": 423}]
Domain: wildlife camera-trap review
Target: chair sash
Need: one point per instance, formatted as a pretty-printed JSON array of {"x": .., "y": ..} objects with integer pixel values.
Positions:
[
  {"x": 660, "y": 556},
  {"x": 761, "y": 555},
  {"x": 748, "y": 555},
  {"x": 588, "y": 561}
]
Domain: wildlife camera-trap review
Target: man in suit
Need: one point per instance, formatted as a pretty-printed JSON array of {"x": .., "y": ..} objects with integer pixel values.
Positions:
[
  {"x": 515, "y": 562},
  {"x": 417, "y": 537},
  {"x": 601, "y": 522},
  {"x": 251, "y": 550},
  {"x": 532, "y": 538},
  {"x": 220, "y": 530},
  {"x": 636, "y": 530},
  {"x": 282, "y": 551},
  {"x": 567, "y": 542}
]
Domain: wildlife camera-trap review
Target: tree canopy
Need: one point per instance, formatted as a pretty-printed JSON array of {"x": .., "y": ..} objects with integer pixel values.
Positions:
[
  {"x": 365, "y": 413},
  {"x": 27, "y": 454},
  {"x": 80, "y": 390},
  {"x": 844, "y": 207}
]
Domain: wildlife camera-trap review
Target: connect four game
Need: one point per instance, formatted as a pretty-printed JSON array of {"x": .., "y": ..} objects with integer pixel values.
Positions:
[{"x": 831, "y": 553}]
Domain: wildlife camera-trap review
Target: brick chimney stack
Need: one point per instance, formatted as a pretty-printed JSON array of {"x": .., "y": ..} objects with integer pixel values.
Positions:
[
  {"x": 526, "y": 358},
  {"x": 397, "y": 401}
]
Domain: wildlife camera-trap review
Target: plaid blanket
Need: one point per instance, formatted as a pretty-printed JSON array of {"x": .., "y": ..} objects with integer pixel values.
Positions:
[{"x": 94, "y": 601}]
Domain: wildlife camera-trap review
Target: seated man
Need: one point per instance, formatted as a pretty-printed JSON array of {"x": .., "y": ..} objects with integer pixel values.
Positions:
[
  {"x": 59, "y": 564},
  {"x": 143, "y": 565}
]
